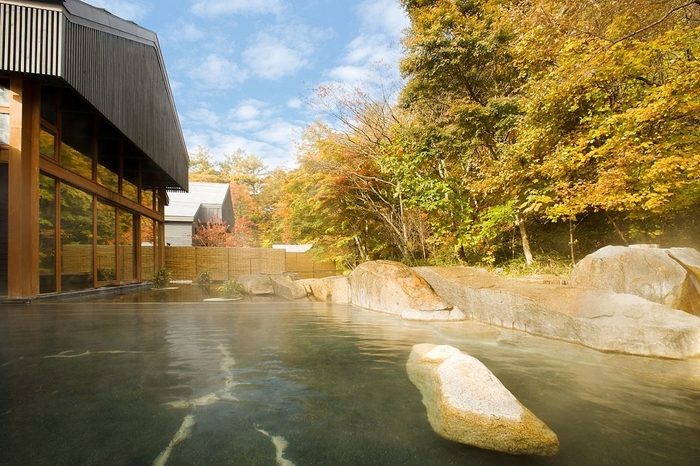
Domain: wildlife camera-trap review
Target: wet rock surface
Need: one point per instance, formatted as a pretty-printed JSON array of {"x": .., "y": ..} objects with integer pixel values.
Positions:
[
  {"x": 330, "y": 289},
  {"x": 466, "y": 403},
  {"x": 256, "y": 284},
  {"x": 664, "y": 276},
  {"x": 394, "y": 288},
  {"x": 600, "y": 319}
]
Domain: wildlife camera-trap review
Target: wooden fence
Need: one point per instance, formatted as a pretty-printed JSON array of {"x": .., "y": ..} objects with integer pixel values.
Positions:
[{"x": 186, "y": 263}]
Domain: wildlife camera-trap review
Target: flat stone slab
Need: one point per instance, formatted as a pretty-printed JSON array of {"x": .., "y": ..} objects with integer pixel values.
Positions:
[
  {"x": 599, "y": 319},
  {"x": 466, "y": 403}
]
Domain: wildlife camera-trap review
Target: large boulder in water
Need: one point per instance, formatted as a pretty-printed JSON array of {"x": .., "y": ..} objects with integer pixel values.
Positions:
[
  {"x": 288, "y": 288},
  {"x": 664, "y": 276},
  {"x": 394, "y": 288},
  {"x": 466, "y": 403},
  {"x": 256, "y": 284},
  {"x": 600, "y": 319},
  {"x": 329, "y": 289}
]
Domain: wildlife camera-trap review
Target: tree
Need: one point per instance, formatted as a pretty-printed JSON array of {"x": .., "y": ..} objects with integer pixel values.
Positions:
[
  {"x": 213, "y": 233},
  {"x": 462, "y": 93},
  {"x": 243, "y": 169},
  {"x": 202, "y": 166},
  {"x": 611, "y": 122}
]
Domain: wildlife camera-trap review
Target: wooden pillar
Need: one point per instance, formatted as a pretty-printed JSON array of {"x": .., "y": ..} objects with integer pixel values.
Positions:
[
  {"x": 23, "y": 193},
  {"x": 159, "y": 200}
]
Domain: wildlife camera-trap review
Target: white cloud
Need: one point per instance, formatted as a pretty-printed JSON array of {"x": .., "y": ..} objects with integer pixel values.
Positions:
[
  {"x": 281, "y": 51},
  {"x": 220, "y": 143},
  {"x": 371, "y": 58},
  {"x": 349, "y": 75},
  {"x": 203, "y": 116},
  {"x": 213, "y": 8},
  {"x": 385, "y": 16},
  {"x": 250, "y": 109},
  {"x": 125, "y": 9},
  {"x": 217, "y": 72},
  {"x": 370, "y": 49},
  {"x": 279, "y": 133},
  {"x": 191, "y": 32},
  {"x": 294, "y": 103}
]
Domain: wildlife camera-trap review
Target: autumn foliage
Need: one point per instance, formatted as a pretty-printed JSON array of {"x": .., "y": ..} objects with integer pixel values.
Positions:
[{"x": 521, "y": 129}]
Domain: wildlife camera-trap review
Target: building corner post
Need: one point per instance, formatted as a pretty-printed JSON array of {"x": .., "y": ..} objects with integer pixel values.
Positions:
[{"x": 23, "y": 193}]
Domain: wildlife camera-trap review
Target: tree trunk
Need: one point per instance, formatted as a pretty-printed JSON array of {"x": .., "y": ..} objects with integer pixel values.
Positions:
[
  {"x": 520, "y": 222},
  {"x": 572, "y": 242}
]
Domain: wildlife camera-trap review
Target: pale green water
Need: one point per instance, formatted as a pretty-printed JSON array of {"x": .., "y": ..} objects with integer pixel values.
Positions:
[{"x": 112, "y": 383}]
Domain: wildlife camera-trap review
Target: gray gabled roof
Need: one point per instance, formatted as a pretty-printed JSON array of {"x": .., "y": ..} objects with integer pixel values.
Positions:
[{"x": 183, "y": 207}]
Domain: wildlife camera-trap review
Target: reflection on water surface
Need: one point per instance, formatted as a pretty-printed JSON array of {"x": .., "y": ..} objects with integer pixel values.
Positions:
[{"x": 127, "y": 381}]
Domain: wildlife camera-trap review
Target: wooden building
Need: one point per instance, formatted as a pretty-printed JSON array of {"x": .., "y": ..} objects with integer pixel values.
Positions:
[{"x": 90, "y": 141}]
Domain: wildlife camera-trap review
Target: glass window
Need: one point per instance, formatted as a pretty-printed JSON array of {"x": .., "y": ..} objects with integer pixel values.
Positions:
[
  {"x": 4, "y": 227},
  {"x": 4, "y": 92},
  {"x": 4, "y": 128},
  {"x": 106, "y": 243},
  {"x": 47, "y": 143},
  {"x": 49, "y": 105},
  {"x": 147, "y": 198},
  {"x": 130, "y": 175},
  {"x": 130, "y": 191},
  {"x": 47, "y": 234},
  {"x": 127, "y": 253},
  {"x": 108, "y": 164},
  {"x": 76, "y": 239},
  {"x": 76, "y": 143},
  {"x": 147, "y": 248}
]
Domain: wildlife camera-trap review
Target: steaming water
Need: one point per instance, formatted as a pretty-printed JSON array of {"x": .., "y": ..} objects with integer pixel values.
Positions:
[{"x": 265, "y": 383}]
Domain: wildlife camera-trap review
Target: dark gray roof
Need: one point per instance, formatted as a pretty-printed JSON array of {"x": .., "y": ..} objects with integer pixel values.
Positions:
[{"x": 116, "y": 65}]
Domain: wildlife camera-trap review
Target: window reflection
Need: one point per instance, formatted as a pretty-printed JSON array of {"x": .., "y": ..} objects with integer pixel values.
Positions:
[
  {"x": 76, "y": 239},
  {"x": 4, "y": 128},
  {"x": 76, "y": 143},
  {"x": 130, "y": 191},
  {"x": 147, "y": 248},
  {"x": 106, "y": 243},
  {"x": 127, "y": 255},
  {"x": 108, "y": 164},
  {"x": 4, "y": 92},
  {"x": 47, "y": 234},
  {"x": 147, "y": 198},
  {"x": 47, "y": 143}
]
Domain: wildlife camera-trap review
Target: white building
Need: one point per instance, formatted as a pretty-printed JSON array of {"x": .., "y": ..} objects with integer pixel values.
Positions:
[{"x": 203, "y": 202}]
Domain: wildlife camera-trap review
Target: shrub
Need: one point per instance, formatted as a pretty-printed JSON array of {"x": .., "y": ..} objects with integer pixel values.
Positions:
[
  {"x": 161, "y": 278},
  {"x": 231, "y": 289},
  {"x": 203, "y": 278}
]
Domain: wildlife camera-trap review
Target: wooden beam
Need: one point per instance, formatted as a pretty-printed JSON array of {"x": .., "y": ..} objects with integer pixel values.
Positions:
[
  {"x": 23, "y": 193},
  {"x": 52, "y": 168}
]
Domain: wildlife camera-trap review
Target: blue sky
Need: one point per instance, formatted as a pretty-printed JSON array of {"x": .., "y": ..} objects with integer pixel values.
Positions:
[{"x": 242, "y": 71}]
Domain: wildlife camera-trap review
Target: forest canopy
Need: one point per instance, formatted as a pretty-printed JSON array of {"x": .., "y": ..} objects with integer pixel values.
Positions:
[{"x": 521, "y": 129}]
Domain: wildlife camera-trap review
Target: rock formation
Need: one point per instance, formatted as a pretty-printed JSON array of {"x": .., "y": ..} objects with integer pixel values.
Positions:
[
  {"x": 664, "y": 276},
  {"x": 288, "y": 288},
  {"x": 394, "y": 288},
  {"x": 329, "y": 289},
  {"x": 466, "y": 403},
  {"x": 599, "y": 319},
  {"x": 256, "y": 284}
]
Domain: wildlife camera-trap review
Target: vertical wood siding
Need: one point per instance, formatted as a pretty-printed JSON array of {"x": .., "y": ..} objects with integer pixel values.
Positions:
[
  {"x": 31, "y": 40},
  {"x": 124, "y": 79}
]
